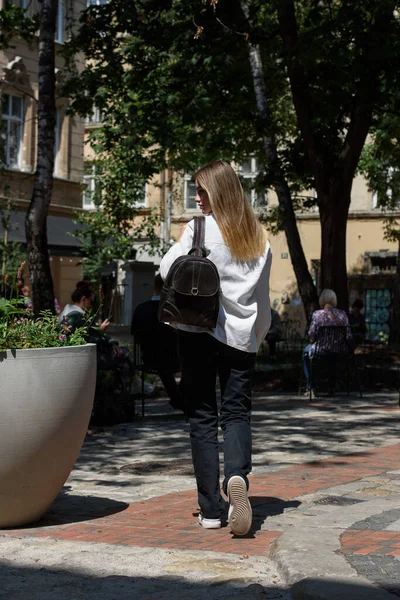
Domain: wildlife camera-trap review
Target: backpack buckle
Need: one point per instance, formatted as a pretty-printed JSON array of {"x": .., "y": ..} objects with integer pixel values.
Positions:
[{"x": 195, "y": 291}]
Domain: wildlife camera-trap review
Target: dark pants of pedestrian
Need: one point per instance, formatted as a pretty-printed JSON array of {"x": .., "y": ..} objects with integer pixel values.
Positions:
[
  {"x": 202, "y": 359},
  {"x": 172, "y": 388}
]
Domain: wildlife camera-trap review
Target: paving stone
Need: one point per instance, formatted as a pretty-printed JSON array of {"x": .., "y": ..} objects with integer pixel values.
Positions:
[
  {"x": 393, "y": 526},
  {"x": 381, "y": 570},
  {"x": 379, "y": 521}
]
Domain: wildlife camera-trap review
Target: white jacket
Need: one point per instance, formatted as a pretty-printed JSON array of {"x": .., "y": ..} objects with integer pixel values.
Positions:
[
  {"x": 69, "y": 308},
  {"x": 245, "y": 313}
]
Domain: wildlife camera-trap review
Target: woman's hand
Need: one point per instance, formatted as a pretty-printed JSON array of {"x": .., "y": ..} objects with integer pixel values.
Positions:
[{"x": 104, "y": 325}]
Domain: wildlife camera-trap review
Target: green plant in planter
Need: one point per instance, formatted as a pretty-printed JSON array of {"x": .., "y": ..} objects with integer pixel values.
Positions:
[{"x": 20, "y": 330}]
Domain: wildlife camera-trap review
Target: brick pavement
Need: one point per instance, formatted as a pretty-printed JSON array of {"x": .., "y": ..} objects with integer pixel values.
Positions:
[
  {"x": 372, "y": 547},
  {"x": 170, "y": 521},
  {"x": 384, "y": 543}
]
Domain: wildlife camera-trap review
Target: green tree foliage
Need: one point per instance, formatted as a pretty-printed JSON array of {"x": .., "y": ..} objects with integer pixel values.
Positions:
[
  {"x": 380, "y": 163},
  {"x": 16, "y": 25},
  {"x": 11, "y": 253},
  {"x": 107, "y": 233},
  {"x": 176, "y": 101}
]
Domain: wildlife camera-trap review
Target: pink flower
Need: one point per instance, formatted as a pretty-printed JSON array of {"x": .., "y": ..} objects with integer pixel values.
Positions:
[
  {"x": 62, "y": 337},
  {"x": 21, "y": 269}
]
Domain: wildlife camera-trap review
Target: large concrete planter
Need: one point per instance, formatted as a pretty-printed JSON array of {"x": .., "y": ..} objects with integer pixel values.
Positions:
[{"x": 46, "y": 398}]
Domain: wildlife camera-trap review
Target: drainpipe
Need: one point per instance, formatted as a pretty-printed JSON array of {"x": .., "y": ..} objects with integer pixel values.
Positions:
[
  {"x": 168, "y": 219},
  {"x": 169, "y": 209},
  {"x": 162, "y": 206}
]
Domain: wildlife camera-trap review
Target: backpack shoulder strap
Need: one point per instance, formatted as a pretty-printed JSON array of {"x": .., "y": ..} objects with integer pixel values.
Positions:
[{"x": 199, "y": 236}]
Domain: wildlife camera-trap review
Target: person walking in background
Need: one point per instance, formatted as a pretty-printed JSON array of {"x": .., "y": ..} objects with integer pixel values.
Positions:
[
  {"x": 159, "y": 344},
  {"x": 275, "y": 332},
  {"x": 237, "y": 244},
  {"x": 329, "y": 315}
]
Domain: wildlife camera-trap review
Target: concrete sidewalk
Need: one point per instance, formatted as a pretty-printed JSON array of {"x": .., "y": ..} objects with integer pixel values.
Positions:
[{"x": 325, "y": 491}]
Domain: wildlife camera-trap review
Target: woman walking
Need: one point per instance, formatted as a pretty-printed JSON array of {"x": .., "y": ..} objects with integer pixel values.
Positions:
[{"x": 237, "y": 244}]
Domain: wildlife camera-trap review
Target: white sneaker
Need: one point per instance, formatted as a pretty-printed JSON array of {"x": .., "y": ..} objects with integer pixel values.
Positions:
[
  {"x": 239, "y": 514},
  {"x": 209, "y": 523}
]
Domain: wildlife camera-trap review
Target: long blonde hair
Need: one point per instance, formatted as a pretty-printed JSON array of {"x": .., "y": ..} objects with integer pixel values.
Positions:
[{"x": 240, "y": 228}]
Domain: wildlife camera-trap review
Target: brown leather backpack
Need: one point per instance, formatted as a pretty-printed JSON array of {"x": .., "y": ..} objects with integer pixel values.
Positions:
[{"x": 191, "y": 290}]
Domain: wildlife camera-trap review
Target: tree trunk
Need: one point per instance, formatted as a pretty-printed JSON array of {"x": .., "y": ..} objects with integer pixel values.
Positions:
[
  {"x": 304, "y": 280},
  {"x": 333, "y": 216},
  {"x": 35, "y": 223},
  {"x": 395, "y": 329},
  {"x": 334, "y": 204}
]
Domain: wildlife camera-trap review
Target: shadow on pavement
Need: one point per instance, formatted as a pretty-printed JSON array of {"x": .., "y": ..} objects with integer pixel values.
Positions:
[
  {"x": 326, "y": 588},
  {"x": 68, "y": 508},
  {"x": 41, "y": 583},
  {"x": 268, "y": 506},
  {"x": 120, "y": 456}
]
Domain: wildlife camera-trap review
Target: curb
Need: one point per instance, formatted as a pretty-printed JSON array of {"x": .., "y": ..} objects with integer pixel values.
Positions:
[
  {"x": 309, "y": 559},
  {"x": 305, "y": 552}
]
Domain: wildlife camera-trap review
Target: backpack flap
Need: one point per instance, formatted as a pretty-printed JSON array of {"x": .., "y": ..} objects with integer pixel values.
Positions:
[{"x": 196, "y": 277}]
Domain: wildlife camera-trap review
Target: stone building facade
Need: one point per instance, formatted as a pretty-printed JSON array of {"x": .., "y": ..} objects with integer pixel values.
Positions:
[{"x": 19, "y": 93}]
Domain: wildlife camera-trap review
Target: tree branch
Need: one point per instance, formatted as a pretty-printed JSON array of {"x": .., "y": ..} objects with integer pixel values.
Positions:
[
  {"x": 299, "y": 82},
  {"x": 367, "y": 89}
]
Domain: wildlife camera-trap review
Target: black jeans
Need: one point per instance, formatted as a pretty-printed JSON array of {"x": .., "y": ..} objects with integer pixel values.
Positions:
[
  {"x": 172, "y": 388},
  {"x": 202, "y": 358}
]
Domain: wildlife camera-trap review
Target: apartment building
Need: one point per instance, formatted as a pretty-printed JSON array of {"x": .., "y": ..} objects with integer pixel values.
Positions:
[{"x": 19, "y": 93}]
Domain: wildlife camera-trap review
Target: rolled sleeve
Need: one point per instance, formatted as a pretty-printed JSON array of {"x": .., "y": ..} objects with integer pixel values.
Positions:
[{"x": 179, "y": 249}]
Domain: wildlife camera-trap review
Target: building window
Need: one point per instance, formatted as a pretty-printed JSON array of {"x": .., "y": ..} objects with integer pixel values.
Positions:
[
  {"x": 378, "y": 313},
  {"x": 248, "y": 172},
  {"x": 189, "y": 192},
  {"x": 19, "y": 3},
  {"x": 91, "y": 195},
  {"x": 12, "y": 129},
  {"x": 60, "y": 22},
  {"x": 387, "y": 197},
  {"x": 96, "y": 116},
  {"x": 141, "y": 202},
  {"x": 57, "y": 140},
  {"x": 139, "y": 197},
  {"x": 97, "y": 2}
]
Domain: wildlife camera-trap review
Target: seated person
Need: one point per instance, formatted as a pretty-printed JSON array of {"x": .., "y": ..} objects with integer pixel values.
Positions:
[
  {"x": 109, "y": 353},
  {"x": 329, "y": 315},
  {"x": 357, "y": 322},
  {"x": 159, "y": 343},
  {"x": 274, "y": 334},
  {"x": 79, "y": 302}
]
